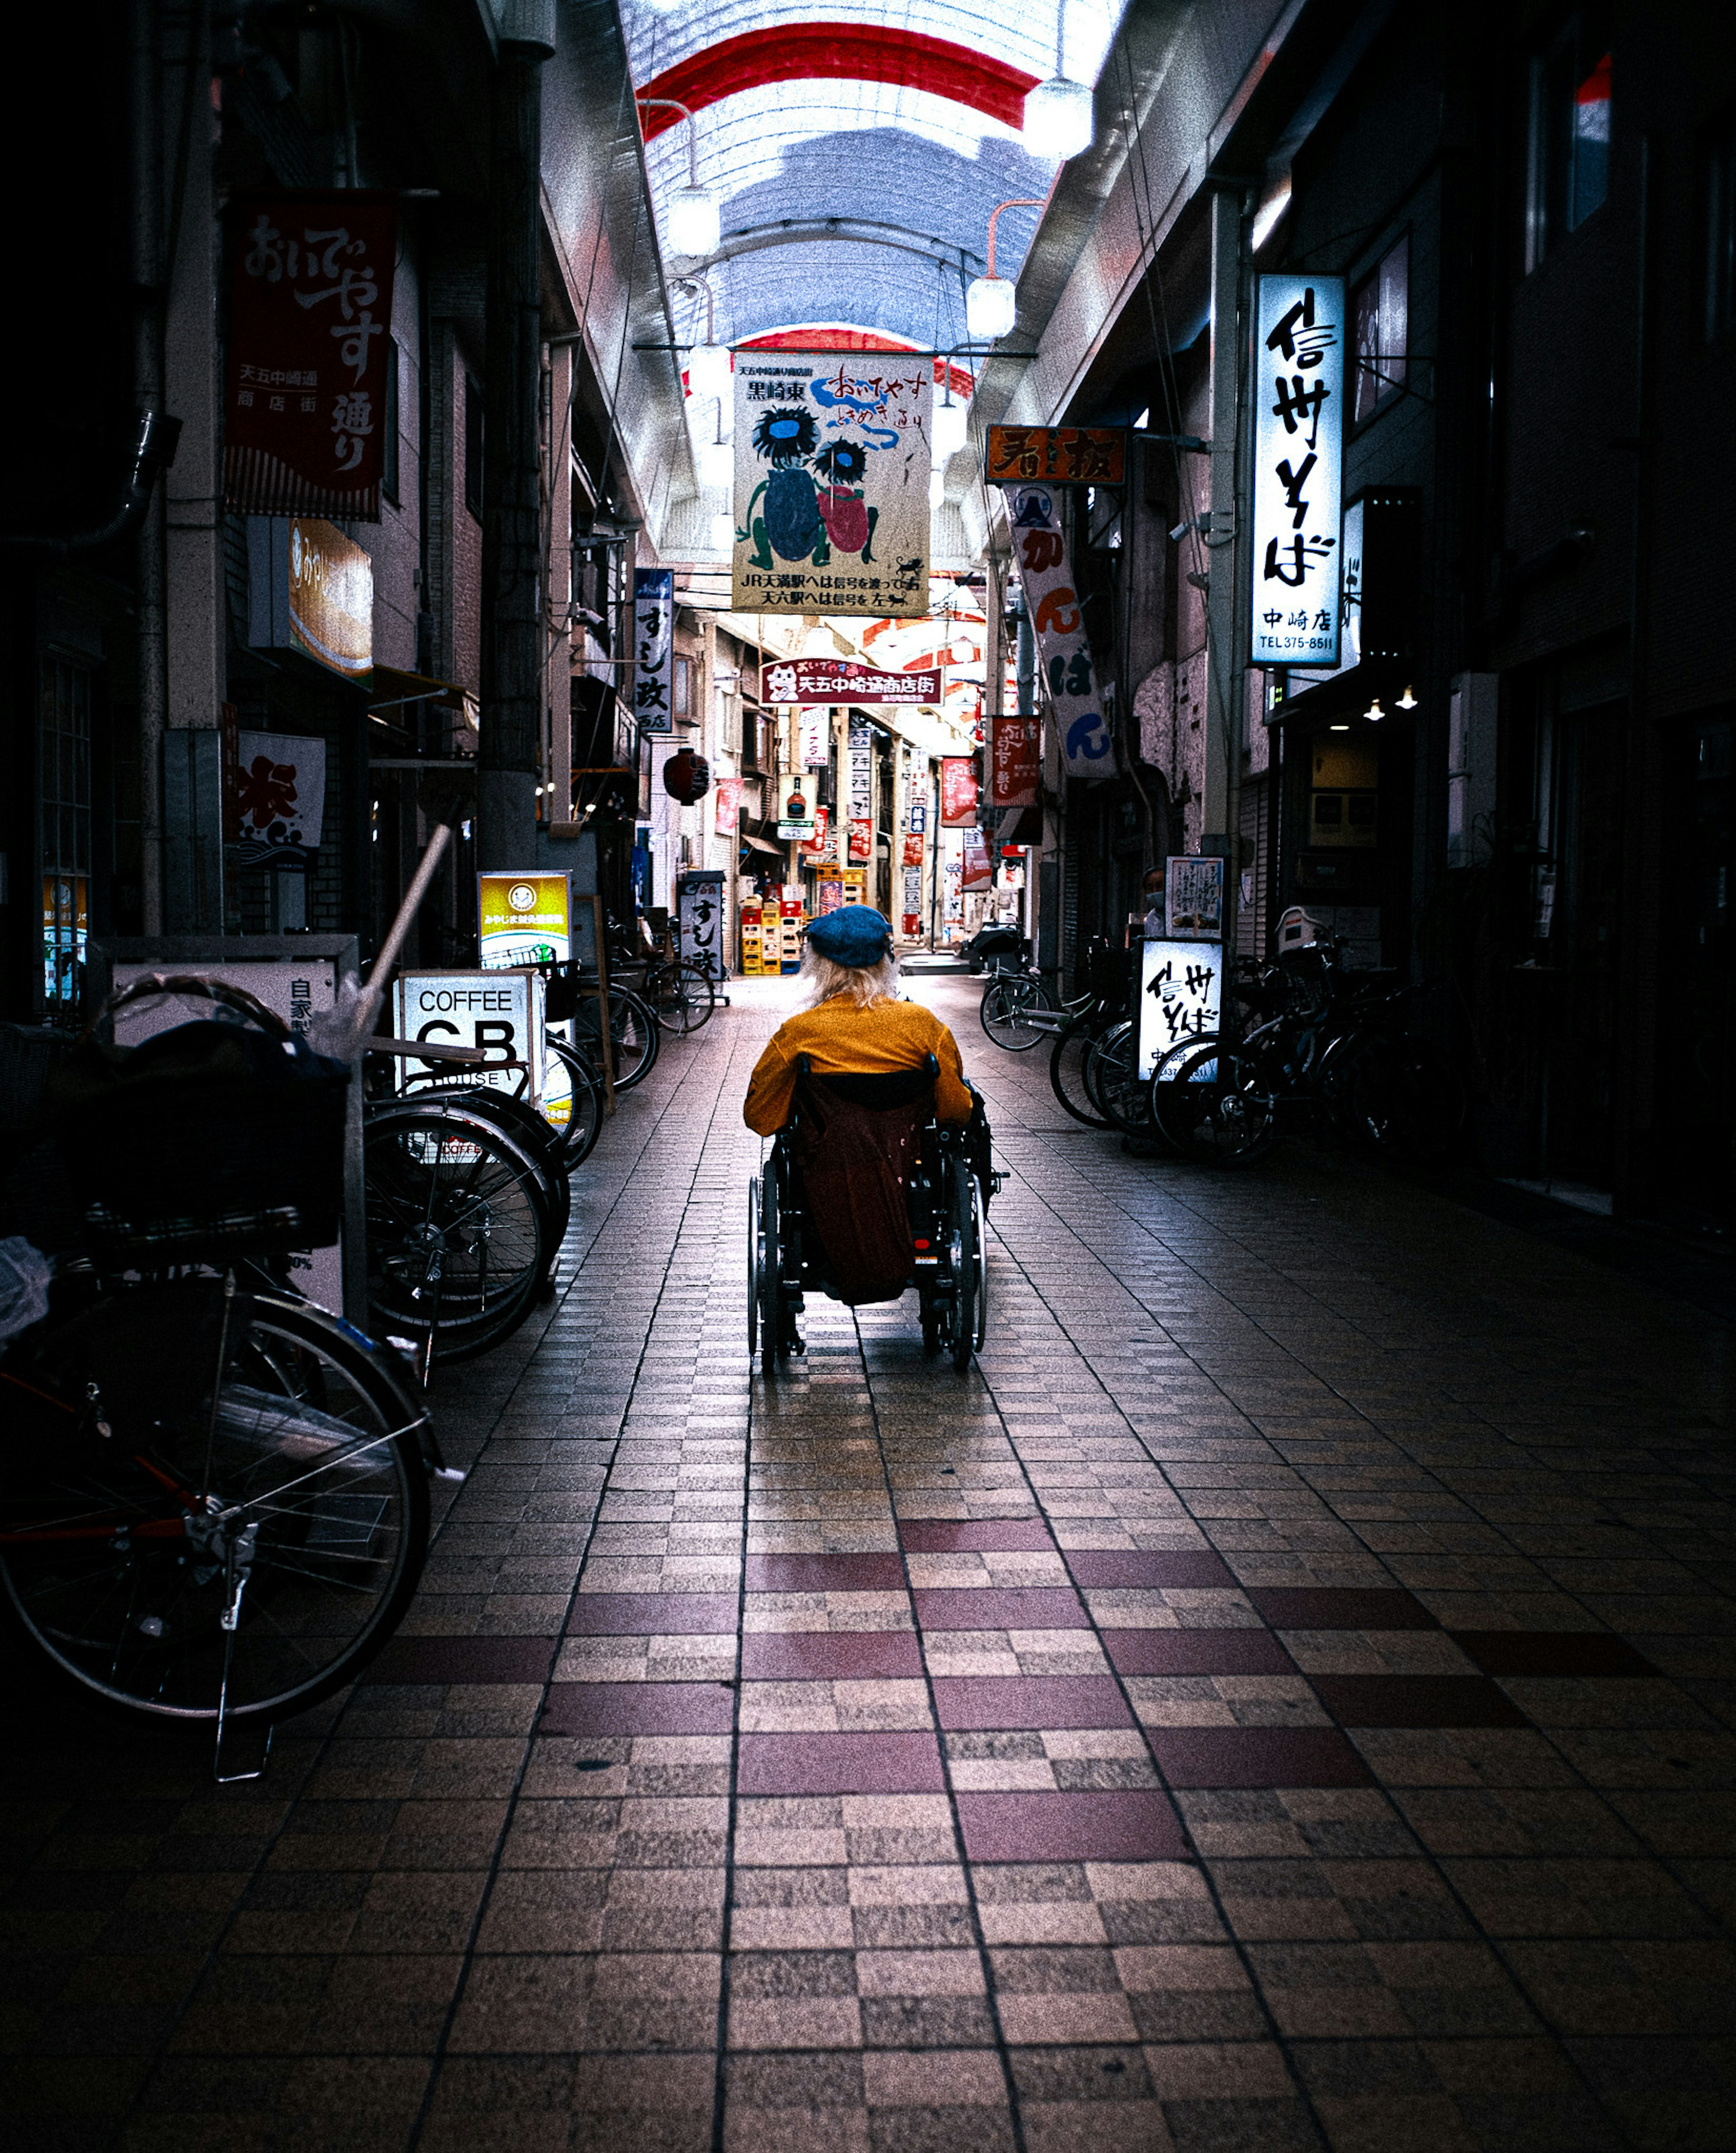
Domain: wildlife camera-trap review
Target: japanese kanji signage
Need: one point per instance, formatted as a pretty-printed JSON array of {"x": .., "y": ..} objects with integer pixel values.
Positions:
[
  {"x": 1194, "y": 898},
  {"x": 311, "y": 309},
  {"x": 842, "y": 681},
  {"x": 1182, "y": 985},
  {"x": 813, "y": 740},
  {"x": 279, "y": 798},
  {"x": 1298, "y": 470},
  {"x": 831, "y": 485},
  {"x": 1063, "y": 655},
  {"x": 1016, "y": 763},
  {"x": 862, "y": 792},
  {"x": 524, "y": 919},
  {"x": 698, "y": 903},
  {"x": 819, "y": 846},
  {"x": 726, "y": 796},
  {"x": 958, "y": 791},
  {"x": 979, "y": 868},
  {"x": 1064, "y": 456},
  {"x": 653, "y": 621}
]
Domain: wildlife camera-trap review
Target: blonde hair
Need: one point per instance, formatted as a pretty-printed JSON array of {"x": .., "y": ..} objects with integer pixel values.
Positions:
[{"x": 864, "y": 983}]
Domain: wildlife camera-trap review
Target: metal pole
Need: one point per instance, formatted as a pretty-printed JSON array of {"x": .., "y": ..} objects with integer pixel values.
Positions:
[
  {"x": 148, "y": 274},
  {"x": 1221, "y": 801}
]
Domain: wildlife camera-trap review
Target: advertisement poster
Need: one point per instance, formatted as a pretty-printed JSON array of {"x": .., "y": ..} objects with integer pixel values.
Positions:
[
  {"x": 653, "y": 642},
  {"x": 524, "y": 919},
  {"x": 844, "y": 680},
  {"x": 831, "y": 484},
  {"x": 1298, "y": 470},
  {"x": 831, "y": 896},
  {"x": 1064, "y": 661},
  {"x": 958, "y": 791},
  {"x": 861, "y": 838},
  {"x": 279, "y": 802},
  {"x": 1193, "y": 898},
  {"x": 795, "y": 809},
  {"x": 1181, "y": 997},
  {"x": 310, "y": 310}
]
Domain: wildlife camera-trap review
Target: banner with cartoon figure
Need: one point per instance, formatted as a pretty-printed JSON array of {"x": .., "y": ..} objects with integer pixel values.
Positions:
[
  {"x": 1064, "y": 660},
  {"x": 831, "y": 483}
]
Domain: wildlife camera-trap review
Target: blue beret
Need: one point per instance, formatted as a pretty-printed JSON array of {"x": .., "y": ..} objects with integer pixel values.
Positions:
[{"x": 854, "y": 934}]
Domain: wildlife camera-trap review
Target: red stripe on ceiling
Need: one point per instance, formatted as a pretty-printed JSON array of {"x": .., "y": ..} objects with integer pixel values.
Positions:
[
  {"x": 853, "y": 52},
  {"x": 835, "y": 339}
]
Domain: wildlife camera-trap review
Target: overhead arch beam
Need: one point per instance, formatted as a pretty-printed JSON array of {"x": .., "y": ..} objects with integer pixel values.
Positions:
[
  {"x": 864, "y": 232},
  {"x": 839, "y": 52}
]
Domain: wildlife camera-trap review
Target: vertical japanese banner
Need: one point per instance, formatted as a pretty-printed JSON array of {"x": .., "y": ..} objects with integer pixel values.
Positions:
[
  {"x": 1298, "y": 470},
  {"x": 699, "y": 911},
  {"x": 831, "y": 483},
  {"x": 979, "y": 868},
  {"x": 654, "y": 622},
  {"x": 1181, "y": 997},
  {"x": 1015, "y": 764},
  {"x": 959, "y": 791},
  {"x": 305, "y": 410},
  {"x": 727, "y": 797},
  {"x": 862, "y": 792},
  {"x": 814, "y": 732},
  {"x": 1063, "y": 655}
]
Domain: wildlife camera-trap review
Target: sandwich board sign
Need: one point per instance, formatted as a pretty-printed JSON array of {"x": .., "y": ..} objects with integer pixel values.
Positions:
[{"x": 499, "y": 1013}]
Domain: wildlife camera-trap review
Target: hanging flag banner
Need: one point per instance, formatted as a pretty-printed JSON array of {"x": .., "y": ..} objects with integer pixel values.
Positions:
[
  {"x": 831, "y": 484},
  {"x": 1063, "y": 655},
  {"x": 1298, "y": 470},
  {"x": 653, "y": 645},
  {"x": 979, "y": 868},
  {"x": 1064, "y": 456},
  {"x": 862, "y": 791},
  {"x": 306, "y": 406},
  {"x": 958, "y": 791},
  {"x": 279, "y": 798},
  {"x": 913, "y": 852},
  {"x": 726, "y": 796},
  {"x": 819, "y": 846},
  {"x": 1015, "y": 766},
  {"x": 814, "y": 737},
  {"x": 842, "y": 681}
]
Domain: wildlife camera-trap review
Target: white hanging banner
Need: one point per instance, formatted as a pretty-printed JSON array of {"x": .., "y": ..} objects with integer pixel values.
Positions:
[
  {"x": 1069, "y": 680},
  {"x": 653, "y": 642},
  {"x": 1298, "y": 470},
  {"x": 831, "y": 483}
]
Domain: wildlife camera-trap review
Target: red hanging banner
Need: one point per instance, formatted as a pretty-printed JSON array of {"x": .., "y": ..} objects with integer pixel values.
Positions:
[
  {"x": 305, "y": 414},
  {"x": 958, "y": 791},
  {"x": 1017, "y": 765}
]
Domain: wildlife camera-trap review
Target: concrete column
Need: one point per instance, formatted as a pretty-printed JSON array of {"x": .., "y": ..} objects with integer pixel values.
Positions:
[
  {"x": 557, "y": 688},
  {"x": 512, "y": 537}
]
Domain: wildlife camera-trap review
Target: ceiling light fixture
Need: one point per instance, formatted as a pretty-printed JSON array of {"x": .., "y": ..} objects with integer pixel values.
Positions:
[
  {"x": 949, "y": 423},
  {"x": 1406, "y": 701},
  {"x": 1374, "y": 713},
  {"x": 708, "y": 363},
  {"x": 694, "y": 218},
  {"x": 1058, "y": 122},
  {"x": 991, "y": 302}
]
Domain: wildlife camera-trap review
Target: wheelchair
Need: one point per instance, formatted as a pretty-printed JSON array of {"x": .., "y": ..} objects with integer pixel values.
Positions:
[{"x": 946, "y": 1193}]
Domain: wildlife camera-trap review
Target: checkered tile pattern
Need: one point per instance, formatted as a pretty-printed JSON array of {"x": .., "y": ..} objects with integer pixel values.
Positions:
[{"x": 1281, "y": 1699}]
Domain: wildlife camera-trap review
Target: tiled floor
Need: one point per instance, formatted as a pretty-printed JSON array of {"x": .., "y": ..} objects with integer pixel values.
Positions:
[{"x": 1283, "y": 1699}]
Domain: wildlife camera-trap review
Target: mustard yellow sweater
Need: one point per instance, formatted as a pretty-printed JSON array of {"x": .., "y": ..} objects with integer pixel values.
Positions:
[{"x": 839, "y": 1036}]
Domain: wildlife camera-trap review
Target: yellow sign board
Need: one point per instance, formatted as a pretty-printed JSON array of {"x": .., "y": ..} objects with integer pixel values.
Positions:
[
  {"x": 524, "y": 919},
  {"x": 331, "y": 596}
]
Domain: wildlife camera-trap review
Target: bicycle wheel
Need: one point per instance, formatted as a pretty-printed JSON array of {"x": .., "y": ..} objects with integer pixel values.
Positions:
[
  {"x": 1401, "y": 1097},
  {"x": 458, "y": 1231},
  {"x": 633, "y": 1032},
  {"x": 681, "y": 996},
  {"x": 1113, "y": 1082},
  {"x": 1008, "y": 1002},
  {"x": 531, "y": 1133},
  {"x": 1066, "y": 1069},
  {"x": 149, "y": 1552},
  {"x": 1213, "y": 1110},
  {"x": 584, "y": 1113}
]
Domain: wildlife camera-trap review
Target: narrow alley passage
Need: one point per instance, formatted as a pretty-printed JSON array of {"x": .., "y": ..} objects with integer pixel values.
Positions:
[{"x": 1276, "y": 1701}]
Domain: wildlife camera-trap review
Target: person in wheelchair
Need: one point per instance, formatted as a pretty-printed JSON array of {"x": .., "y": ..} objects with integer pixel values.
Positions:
[{"x": 848, "y": 1085}]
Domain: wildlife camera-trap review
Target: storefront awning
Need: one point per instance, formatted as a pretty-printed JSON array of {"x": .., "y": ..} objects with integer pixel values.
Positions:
[
  {"x": 390, "y": 689},
  {"x": 752, "y": 844}
]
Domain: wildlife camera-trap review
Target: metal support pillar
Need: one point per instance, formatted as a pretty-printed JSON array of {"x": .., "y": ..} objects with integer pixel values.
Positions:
[
  {"x": 1223, "y": 687},
  {"x": 513, "y": 671}
]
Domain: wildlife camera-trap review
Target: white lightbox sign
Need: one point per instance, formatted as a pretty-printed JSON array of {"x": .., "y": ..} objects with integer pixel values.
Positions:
[
  {"x": 654, "y": 622},
  {"x": 1298, "y": 470}
]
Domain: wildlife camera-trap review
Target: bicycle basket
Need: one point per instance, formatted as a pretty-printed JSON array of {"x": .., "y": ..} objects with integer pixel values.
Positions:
[{"x": 205, "y": 1141}]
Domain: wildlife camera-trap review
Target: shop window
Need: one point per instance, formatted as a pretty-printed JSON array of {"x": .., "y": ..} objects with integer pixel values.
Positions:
[
  {"x": 63, "y": 829},
  {"x": 684, "y": 687},
  {"x": 389, "y": 427},
  {"x": 1569, "y": 145},
  {"x": 473, "y": 447},
  {"x": 1380, "y": 311},
  {"x": 1721, "y": 232}
]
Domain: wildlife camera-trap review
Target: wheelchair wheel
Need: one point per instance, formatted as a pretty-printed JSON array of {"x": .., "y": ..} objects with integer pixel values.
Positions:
[
  {"x": 753, "y": 1267},
  {"x": 771, "y": 1287},
  {"x": 966, "y": 1251},
  {"x": 979, "y": 1212}
]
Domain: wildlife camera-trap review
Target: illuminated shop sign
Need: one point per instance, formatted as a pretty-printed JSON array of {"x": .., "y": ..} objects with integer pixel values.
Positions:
[{"x": 1298, "y": 470}]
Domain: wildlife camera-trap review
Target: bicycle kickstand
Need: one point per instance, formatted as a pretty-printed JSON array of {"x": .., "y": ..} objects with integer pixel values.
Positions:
[{"x": 239, "y": 1568}]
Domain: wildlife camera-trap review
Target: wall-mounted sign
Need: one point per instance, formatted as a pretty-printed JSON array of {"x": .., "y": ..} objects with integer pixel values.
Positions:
[
  {"x": 1298, "y": 470},
  {"x": 1064, "y": 456},
  {"x": 305, "y": 410},
  {"x": 699, "y": 911},
  {"x": 862, "y": 792},
  {"x": 525, "y": 920},
  {"x": 1181, "y": 997},
  {"x": 831, "y": 484},
  {"x": 1064, "y": 660},
  {"x": 653, "y": 641},
  {"x": 819, "y": 846},
  {"x": 813, "y": 737},
  {"x": 1015, "y": 763},
  {"x": 279, "y": 802},
  {"x": 1194, "y": 898},
  {"x": 727, "y": 795},
  {"x": 795, "y": 809},
  {"x": 912, "y": 851},
  {"x": 958, "y": 791},
  {"x": 917, "y": 818},
  {"x": 310, "y": 589},
  {"x": 842, "y": 681}
]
